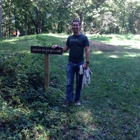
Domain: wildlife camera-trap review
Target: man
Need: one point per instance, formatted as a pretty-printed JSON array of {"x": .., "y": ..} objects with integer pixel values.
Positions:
[{"x": 76, "y": 44}]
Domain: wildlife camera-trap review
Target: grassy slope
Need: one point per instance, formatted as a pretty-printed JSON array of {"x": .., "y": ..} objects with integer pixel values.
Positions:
[{"x": 110, "y": 105}]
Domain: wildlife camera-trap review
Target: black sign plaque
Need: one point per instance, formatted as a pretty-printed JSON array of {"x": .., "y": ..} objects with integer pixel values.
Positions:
[{"x": 46, "y": 50}]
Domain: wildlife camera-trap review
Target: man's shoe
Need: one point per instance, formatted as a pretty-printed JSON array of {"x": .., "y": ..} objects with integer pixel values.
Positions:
[
  {"x": 78, "y": 103},
  {"x": 66, "y": 103}
]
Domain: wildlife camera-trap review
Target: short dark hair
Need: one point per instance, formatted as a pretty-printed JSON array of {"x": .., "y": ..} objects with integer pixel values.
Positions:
[{"x": 76, "y": 20}]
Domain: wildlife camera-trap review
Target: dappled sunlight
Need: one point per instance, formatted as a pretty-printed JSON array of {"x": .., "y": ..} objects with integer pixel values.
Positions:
[
  {"x": 39, "y": 132},
  {"x": 8, "y": 113},
  {"x": 132, "y": 55},
  {"x": 26, "y": 51},
  {"x": 10, "y": 40},
  {"x": 113, "y": 56},
  {"x": 98, "y": 52},
  {"x": 124, "y": 54},
  {"x": 58, "y": 35},
  {"x": 66, "y": 54},
  {"x": 130, "y": 40},
  {"x": 87, "y": 118},
  {"x": 126, "y": 42}
]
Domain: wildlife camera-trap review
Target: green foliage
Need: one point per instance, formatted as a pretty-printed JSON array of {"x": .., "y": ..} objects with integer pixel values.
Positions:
[
  {"x": 110, "y": 105},
  {"x": 45, "y": 16}
]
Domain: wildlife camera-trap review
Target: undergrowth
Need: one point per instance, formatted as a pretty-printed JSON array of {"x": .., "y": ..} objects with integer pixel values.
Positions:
[{"x": 110, "y": 104}]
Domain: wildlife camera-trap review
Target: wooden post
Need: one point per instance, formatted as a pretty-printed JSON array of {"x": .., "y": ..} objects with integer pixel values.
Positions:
[
  {"x": 47, "y": 70},
  {"x": 46, "y": 51}
]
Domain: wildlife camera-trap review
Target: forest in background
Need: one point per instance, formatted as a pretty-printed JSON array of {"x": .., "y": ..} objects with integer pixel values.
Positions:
[{"x": 55, "y": 16}]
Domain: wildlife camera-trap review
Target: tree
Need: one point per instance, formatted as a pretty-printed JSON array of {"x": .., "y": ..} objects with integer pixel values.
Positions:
[
  {"x": 96, "y": 16},
  {"x": 0, "y": 18}
]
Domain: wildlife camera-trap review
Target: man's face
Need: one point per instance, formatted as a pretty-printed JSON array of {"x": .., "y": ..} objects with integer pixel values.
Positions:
[{"x": 75, "y": 27}]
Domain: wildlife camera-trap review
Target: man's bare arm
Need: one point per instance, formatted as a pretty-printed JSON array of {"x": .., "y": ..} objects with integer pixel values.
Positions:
[{"x": 87, "y": 55}]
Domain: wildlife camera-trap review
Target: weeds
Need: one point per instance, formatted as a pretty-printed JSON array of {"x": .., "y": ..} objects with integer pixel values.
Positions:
[{"x": 110, "y": 105}]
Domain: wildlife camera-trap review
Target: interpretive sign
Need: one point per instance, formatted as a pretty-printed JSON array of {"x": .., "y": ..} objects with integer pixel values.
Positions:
[{"x": 46, "y": 51}]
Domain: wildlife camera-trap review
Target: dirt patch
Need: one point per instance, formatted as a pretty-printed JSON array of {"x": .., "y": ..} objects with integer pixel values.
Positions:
[{"x": 102, "y": 46}]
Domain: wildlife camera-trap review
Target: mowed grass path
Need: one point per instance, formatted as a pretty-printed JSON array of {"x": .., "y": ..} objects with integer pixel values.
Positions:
[{"x": 110, "y": 107}]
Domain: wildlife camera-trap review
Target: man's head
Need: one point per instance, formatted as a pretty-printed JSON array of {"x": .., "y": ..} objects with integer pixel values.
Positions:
[{"x": 76, "y": 26}]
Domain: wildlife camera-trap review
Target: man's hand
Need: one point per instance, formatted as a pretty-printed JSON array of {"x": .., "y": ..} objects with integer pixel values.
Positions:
[
  {"x": 85, "y": 66},
  {"x": 55, "y": 46}
]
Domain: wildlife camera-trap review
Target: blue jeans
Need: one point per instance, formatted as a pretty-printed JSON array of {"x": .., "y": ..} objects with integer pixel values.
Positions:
[{"x": 72, "y": 69}]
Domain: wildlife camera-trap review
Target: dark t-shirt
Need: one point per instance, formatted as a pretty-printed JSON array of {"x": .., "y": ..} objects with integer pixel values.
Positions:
[{"x": 76, "y": 45}]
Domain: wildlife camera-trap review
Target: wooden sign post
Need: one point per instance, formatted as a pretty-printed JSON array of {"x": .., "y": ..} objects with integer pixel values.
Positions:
[{"x": 47, "y": 51}]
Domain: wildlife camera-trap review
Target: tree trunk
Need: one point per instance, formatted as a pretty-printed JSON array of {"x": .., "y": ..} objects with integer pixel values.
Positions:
[
  {"x": 26, "y": 26},
  {"x": 82, "y": 20},
  {"x": 26, "y": 19},
  {"x": 0, "y": 18},
  {"x": 138, "y": 27},
  {"x": 40, "y": 26},
  {"x": 9, "y": 18}
]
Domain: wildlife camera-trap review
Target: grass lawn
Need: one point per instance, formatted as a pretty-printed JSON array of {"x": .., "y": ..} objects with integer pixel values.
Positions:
[{"x": 110, "y": 107}]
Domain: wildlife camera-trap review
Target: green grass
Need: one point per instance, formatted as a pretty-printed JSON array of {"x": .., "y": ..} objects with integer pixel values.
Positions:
[{"x": 110, "y": 104}]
